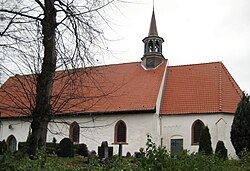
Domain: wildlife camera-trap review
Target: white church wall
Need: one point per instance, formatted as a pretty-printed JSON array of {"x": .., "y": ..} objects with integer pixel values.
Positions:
[
  {"x": 181, "y": 125},
  {"x": 18, "y": 128},
  {"x": 93, "y": 130},
  {"x": 100, "y": 128}
]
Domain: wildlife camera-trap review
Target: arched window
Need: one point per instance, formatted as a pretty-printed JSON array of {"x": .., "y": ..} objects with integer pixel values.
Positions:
[
  {"x": 120, "y": 132},
  {"x": 74, "y": 132},
  {"x": 196, "y": 131},
  {"x": 11, "y": 143}
]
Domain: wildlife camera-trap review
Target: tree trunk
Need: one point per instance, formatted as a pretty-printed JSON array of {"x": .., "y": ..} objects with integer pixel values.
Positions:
[{"x": 41, "y": 115}]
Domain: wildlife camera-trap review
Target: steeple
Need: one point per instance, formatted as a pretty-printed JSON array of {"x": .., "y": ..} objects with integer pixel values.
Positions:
[
  {"x": 153, "y": 28},
  {"x": 152, "y": 57}
]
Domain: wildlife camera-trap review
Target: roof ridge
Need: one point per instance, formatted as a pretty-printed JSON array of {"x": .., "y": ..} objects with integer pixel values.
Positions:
[
  {"x": 63, "y": 70},
  {"x": 104, "y": 65},
  {"x": 60, "y": 70},
  {"x": 196, "y": 64}
]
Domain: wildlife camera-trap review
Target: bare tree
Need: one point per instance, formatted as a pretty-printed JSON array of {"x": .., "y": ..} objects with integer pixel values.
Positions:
[{"x": 40, "y": 37}]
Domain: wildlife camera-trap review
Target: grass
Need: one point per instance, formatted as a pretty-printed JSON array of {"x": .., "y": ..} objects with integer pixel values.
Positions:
[
  {"x": 152, "y": 158},
  {"x": 181, "y": 162}
]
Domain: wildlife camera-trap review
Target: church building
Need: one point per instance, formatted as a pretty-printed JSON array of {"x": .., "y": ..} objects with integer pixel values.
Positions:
[{"x": 122, "y": 103}]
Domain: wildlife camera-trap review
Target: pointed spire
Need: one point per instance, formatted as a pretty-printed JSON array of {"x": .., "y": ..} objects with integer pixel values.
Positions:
[
  {"x": 152, "y": 57},
  {"x": 153, "y": 28}
]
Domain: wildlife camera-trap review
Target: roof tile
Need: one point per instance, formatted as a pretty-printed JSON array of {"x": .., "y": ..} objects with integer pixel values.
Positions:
[
  {"x": 200, "y": 88},
  {"x": 112, "y": 88}
]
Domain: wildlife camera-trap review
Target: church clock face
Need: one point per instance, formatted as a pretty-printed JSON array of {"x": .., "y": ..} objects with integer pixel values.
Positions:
[{"x": 150, "y": 62}]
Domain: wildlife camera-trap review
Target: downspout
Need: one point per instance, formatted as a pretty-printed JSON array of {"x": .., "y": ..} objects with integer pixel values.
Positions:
[{"x": 161, "y": 138}]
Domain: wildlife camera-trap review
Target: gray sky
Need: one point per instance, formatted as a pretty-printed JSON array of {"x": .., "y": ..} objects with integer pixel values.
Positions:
[{"x": 195, "y": 31}]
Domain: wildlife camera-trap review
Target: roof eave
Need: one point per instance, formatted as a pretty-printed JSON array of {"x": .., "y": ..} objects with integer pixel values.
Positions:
[
  {"x": 192, "y": 113},
  {"x": 108, "y": 112}
]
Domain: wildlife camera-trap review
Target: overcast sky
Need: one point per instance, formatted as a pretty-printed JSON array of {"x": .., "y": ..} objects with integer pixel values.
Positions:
[{"x": 195, "y": 31}]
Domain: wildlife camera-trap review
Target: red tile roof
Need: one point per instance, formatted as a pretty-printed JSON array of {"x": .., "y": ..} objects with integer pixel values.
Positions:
[
  {"x": 200, "y": 88},
  {"x": 17, "y": 96},
  {"x": 189, "y": 89},
  {"x": 113, "y": 88}
]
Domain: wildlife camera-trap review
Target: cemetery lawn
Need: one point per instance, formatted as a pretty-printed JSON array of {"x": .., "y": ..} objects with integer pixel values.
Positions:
[{"x": 183, "y": 162}]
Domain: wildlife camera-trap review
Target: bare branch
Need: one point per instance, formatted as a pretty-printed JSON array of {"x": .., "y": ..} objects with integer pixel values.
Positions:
[
  {"x": 21, "y": 14},
  {"x": 40, "y": 4},
  {"x": 67, "y": 38},
  {"x": 2, "y": 33}
]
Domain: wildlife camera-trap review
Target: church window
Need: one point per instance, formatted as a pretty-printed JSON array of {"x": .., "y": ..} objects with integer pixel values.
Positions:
[
  {"x": 120, "y": 132},
  {"x": 196, "y": 131},
  {"x": 74, "y": 132}
]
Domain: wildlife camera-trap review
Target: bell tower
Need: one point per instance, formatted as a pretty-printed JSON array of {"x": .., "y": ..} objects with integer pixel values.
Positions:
[{"x": 152, "y": 57}]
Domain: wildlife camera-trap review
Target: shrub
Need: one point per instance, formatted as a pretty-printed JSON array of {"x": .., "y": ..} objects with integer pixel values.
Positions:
[
  {"x": 23, "y": 147},
  {"x": 221, "y": 150},
  {"x": 137, "y": 154},
  {"x": 6, "y": 162},
  {"x": 3, "y": 147},
  {"x": 51, "y": 148},
  {"x": 153, "y": 157},
  {"x": 81, "y": 149},
  {"x": 245, "y": 159},
  {"x": 66, "y": 148},
  {"x": 240, "y": 129},
  {"x": 205, "y": 145}
]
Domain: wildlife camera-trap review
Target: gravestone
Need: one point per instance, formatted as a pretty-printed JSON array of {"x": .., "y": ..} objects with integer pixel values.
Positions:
[
  {"x": 128, "y": 154},
  {"x": 92, "y": 154},
  {"x": 104, "y": 151}
]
